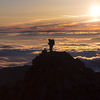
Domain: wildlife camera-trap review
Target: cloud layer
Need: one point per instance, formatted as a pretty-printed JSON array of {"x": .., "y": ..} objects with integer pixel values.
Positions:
[
  {"x": 63, "y": 23},
  {"x": 20, "y": 48}
]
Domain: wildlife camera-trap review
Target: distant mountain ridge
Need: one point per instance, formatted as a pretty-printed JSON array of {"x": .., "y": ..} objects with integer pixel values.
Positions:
[
  {"x": 55, "y": 76},
  {"x": 12, "y": 74}
]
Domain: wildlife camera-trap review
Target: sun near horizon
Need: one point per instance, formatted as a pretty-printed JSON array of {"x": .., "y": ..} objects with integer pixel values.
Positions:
[
  {"x": 48, "y": 15},
  {"x": 95, "y": 10}
]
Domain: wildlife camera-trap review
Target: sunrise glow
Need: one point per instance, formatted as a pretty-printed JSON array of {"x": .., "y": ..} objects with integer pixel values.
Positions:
[
  {"x": 95, "y": 11},
  {"x": 53, "y": 15}
]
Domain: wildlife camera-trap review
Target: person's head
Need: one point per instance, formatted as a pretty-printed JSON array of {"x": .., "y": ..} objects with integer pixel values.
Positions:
[{"x": 48, "y": 39}]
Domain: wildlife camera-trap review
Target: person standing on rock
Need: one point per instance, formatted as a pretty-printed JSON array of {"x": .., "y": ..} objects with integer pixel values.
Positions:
[{"x": 51, "y": 43}]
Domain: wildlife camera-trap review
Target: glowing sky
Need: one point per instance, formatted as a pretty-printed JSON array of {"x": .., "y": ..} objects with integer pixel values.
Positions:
[{"x": 47, "y": 15}]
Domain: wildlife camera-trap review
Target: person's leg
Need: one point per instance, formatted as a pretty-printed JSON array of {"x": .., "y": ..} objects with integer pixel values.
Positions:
[{"x": 51, "y": 46}]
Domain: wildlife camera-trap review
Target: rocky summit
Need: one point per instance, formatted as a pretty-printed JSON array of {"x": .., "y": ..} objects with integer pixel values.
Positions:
[{"x": 55, "y": 76}]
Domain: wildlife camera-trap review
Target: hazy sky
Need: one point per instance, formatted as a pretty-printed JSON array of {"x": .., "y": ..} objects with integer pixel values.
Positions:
[{"x": 14, "y": 12}]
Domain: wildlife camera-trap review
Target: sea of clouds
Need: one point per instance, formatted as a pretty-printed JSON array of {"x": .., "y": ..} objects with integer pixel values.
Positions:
[{"x": 20, "y": 48}]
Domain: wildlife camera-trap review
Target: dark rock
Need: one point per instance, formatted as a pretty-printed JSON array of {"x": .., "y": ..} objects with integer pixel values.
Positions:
[
  {"x": 12, "y": 74},
  {"x": 57, "y": 76}
]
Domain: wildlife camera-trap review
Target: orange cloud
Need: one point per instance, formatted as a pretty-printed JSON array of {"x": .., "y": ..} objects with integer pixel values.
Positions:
[{"x": 82, "y": 23}]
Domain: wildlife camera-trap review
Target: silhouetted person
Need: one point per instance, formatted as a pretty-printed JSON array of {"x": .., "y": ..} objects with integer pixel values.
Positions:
[
  {"x": 44, "y": 51},
  {"x": 51, "y": 43}
]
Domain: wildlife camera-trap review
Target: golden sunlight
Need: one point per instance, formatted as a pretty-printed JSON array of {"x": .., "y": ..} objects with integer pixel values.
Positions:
[{"x": 95, "y": 11}]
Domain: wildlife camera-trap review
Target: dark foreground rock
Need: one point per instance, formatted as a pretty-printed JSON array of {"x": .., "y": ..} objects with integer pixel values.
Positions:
[
  {"x": 12, "y": 74},
  {"x": 55, "y": 76}
]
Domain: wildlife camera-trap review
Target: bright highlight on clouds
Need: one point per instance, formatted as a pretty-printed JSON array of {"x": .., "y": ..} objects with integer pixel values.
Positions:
[
  {"x": 19, "y": 49},
  {"x": 28, "y": 24},
  {"x": 34, "y": 15},
  {"x": 61, "y": 23}
]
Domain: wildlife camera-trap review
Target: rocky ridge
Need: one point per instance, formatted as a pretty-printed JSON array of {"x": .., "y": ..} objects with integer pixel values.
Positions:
[{"x": 57, "y": 76}]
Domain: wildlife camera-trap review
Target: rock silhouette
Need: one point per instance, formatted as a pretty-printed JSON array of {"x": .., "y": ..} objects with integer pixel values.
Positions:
[{"x": 55, "y": 76}]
